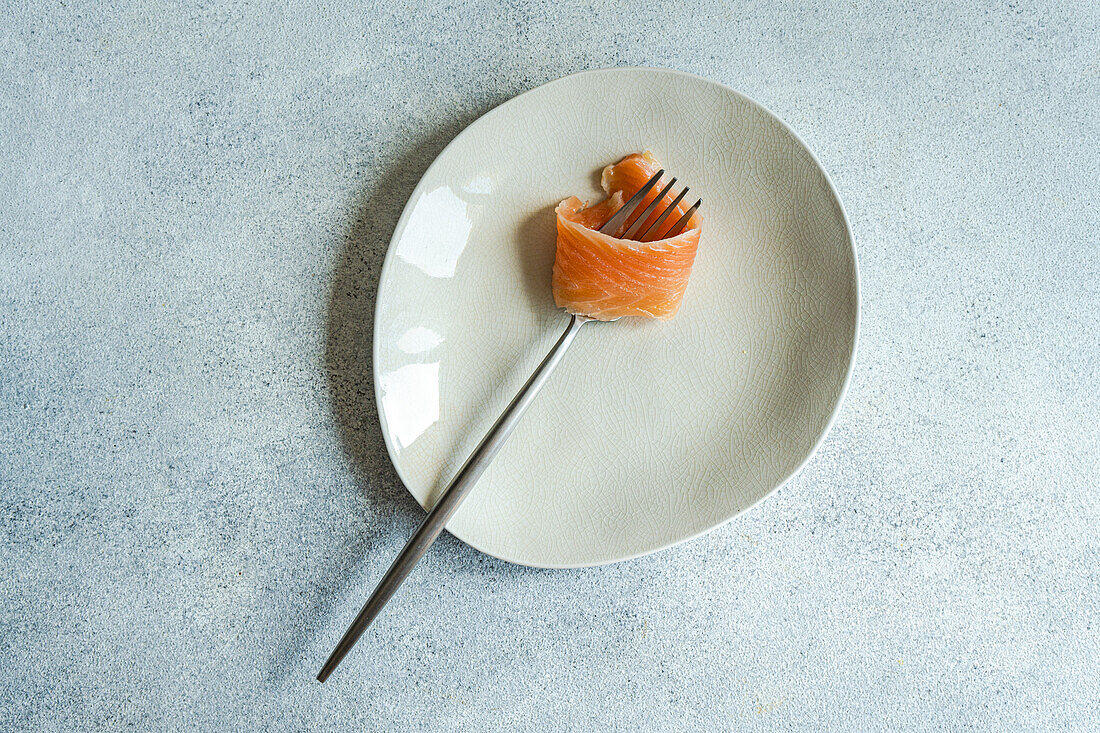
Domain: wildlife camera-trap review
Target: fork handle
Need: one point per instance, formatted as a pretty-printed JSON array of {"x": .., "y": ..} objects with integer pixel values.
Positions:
[{"x": 452, "y": 497}]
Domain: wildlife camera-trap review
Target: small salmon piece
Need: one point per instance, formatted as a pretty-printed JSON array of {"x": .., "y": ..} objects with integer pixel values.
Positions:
[{"x": 605, "y": 277}]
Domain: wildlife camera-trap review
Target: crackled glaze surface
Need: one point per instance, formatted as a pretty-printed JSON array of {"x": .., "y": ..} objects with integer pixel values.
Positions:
[{"x": 649, "y": 433}]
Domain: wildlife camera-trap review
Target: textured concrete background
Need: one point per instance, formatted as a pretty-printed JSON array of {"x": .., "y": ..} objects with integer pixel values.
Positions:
[{"x": 194, "y": 205}]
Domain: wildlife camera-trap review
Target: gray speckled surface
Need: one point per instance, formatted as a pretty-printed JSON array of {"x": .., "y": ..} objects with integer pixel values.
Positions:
[{"x": 195, "y": 497}]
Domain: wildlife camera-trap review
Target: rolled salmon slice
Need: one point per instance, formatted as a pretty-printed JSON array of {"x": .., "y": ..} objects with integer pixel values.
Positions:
[{"x": 605, "y": 277}]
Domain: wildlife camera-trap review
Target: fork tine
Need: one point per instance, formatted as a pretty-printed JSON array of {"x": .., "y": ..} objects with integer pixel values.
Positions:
[
  {"x": 678, "y": 226},
  {"x": 656, "y": 225},
  {"x": 648, "y": 210},
  {"x": 612, "y": 224}
]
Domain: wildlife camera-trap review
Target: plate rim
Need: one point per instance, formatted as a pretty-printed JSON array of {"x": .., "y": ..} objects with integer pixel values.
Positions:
[{"x": 402, "y": 223}]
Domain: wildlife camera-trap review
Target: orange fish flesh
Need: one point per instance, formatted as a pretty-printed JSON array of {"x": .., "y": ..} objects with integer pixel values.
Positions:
[{"x": 605, "y": 277}]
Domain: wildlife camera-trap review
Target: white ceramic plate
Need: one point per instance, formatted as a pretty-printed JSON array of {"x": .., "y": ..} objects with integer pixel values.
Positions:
[{"x": 649, "y": 433}]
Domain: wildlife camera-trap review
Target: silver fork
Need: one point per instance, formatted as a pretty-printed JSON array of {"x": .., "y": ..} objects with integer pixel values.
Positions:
[{"x": 479, "y": 460}]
